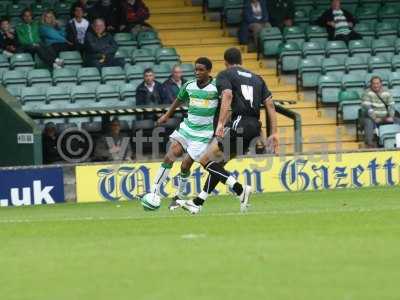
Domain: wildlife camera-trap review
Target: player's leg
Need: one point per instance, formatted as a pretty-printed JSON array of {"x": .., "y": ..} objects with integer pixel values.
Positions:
[
  {"x": 175, "y": 150},
  {"x": 183, "y": 178}
]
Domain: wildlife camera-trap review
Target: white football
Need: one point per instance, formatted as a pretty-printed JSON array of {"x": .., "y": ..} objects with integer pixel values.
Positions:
[{"x": 150, "y": 201}]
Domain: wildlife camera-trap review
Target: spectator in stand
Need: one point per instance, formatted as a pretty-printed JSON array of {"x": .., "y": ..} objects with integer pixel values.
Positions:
[
  {"x": 49, "y": 144},
  {"x": 8, "y": 39},
  {"x": 379, "y": 109},
  {"x": 29, "y": 41},
  {"x": 108, "y": 11},
  {"x": 114, "y": 145},
  {"x": 132, "y": 16},
  {"x": 82, "y": 3},
  {"x": 255, "y": 18},
  {"x": 281, "y": 13},
  {"x": 339, "y": 23},
  {"x": 77, "y": 28},
  {"x": 52, "y": 34},
  {"x": 100, "y": 47},
  {"x": 150, "y": 91},
  {"x": 173, "y": 84}
]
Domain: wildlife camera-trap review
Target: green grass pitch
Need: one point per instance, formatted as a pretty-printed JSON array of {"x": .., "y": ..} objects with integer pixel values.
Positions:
[{"x": 332, "y": 245}]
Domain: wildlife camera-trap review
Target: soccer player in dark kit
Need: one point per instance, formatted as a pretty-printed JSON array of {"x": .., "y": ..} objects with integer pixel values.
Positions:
[{"x": 242, "y": 94}]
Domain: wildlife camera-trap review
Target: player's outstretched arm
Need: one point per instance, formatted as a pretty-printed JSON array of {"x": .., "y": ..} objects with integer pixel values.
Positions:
[
  {"x": 164, "y": 118},
  {"x": 273, "y": 138},
  {"x": 224, "y": 112}
]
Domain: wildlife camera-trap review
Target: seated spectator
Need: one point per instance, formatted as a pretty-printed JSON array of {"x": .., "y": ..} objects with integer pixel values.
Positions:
[
  {"x": 255, "y": 18},
  {"x": 49, "y": 144},
  {"x": 77, "y": 28},
  {"x": 29, "y": 41},
  {"x": 379, "y": 109},
  {"x": 173, "y": 84},
  {"x": 132, "y": 16},
  {"x": 52, "y": 34},
  {"x": 339, "y": 23},
  {"x": 8, "y": 39},
  {"x": 150, "y": 91},
  {"x": 114, "y": 145},
  {"x": 281, "y": 13},
  {"x": 100, "y": 47},
  {"x": 108, "y": 11}
]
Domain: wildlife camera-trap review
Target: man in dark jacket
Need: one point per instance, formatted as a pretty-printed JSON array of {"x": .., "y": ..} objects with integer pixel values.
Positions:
[
  {"x": 100, "y": 47},
  {"x": 49, "y": 144},
  {"x": 339, "y": 23},
  {"x": 76, "y": 29},
  {"x": 281, "y": 12},
  {"x": 150, "y": 91},
  {"x": 132, "y": 16},
  {"x": 106, "y": 10},
  {"x": 173, "y": 84},
  {"x": 8, "y": 38}
]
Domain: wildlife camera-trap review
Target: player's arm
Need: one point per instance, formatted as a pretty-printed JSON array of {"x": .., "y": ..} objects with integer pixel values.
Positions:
[
  {"x": 273, "y": 139},
  {"x": 182, "y": 97},
  {"x": 226, "y": 103}
]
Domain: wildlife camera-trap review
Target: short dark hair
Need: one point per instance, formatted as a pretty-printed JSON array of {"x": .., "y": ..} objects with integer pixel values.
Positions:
[
  {"x": 205, "y": 62},
  {"x": 4, "y": 19},
  {"x": 375, "y": 77},
  {"x": 233, "y": 56},
  {"x": 148, "y": 70},
  {"x": 25, "y": 11}
]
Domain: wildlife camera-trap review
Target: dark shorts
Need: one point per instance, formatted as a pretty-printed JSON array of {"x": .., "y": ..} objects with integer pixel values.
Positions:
[{"x": 239, "y": 136}]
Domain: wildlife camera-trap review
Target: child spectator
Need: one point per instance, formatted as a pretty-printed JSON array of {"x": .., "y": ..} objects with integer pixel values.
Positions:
[{"x": 77, "y": 28}]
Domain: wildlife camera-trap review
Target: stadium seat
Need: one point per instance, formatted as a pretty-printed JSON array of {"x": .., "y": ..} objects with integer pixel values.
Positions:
[
  {"x": 14, "y": 78},
  {"x": 39, "y": 77},
  {"x": 14, "y": 10},
  {"x": 360, "y": 48},
  {"x": 387, "y": 135},
  {"x": 349, "y": 105},
  {"x": 65, "y": 76},
  {"x": 113, "y": 75},
  {"x": 83, "y": 96},
  {"x": 380, "y": 46},
  {"x": 394, "y": 79},
  {"x": 134, "y": 73},
  {"x": 378, "y": 63},
  {"x": 4, "y": 64},
  {"x": 15, "y": 91},
  {"x": 354, "y": 82},
  {"x": 162, "y": 71},
  {"x": 232, "y": 12},
  {"x": 62, "y": 8},
  {"x": 57, "y": 97},
  {"x": 148, "y": 39},
  {"x": 333, "y": 66},
  {"x": 143, "y": 56},
  {"x": 39, "y": 8},
  {"x": 33, "y": 98},
  {"x": 356, "y": 65},
  {"x": 71, "y": 58},
  {"x": 125, "y": 53},
  {"x": 108, "y": 95},
  {"x": 301, "y": 17},
  {"x": 336, "y": 49},
  {"x": 215, "y": 4},
  {"x": 188, "y": 70},
  {"x": 309, "y": 71},
  {"x": 367, "y": 30},
  {"x": 270, "y": 39},
  {"x": 128, "y": 93},
  {"x": 389, "y": 12},
  {"x": 167, "y": 55},
  {"x": 313, "y": 50},
  {"x": 294, "y": 34},
  {"x": 329, "y": 87},
  {"x": 89, "y": 76},
  {"x": 289, "y": 56},
  {"x": 22, "y": 61},
  {"x": 125, "y": 39},
  {"x": 387, "y": 29},
  {"x": 316, "y": 34},
  {"x": 316, "y": 13},
  {"x": 367, "y": 13}
]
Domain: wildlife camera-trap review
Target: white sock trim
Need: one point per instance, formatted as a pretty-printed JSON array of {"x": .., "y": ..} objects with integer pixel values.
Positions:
[
  {"x": 231, "y": 181},
  {"x": 203, "y": 195}
]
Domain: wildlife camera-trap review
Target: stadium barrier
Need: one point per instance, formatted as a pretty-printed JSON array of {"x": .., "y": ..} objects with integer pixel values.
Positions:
[{"x": 20, "y": 137}]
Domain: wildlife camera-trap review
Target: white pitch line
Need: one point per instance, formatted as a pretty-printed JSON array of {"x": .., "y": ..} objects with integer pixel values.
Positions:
[{"x": 234, "y": 214}]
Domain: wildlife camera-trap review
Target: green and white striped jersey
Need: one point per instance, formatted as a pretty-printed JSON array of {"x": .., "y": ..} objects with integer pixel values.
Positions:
[{"x": 203, "y": 105}]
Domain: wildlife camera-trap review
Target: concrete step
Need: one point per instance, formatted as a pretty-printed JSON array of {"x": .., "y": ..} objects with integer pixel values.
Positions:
[
  {"x": 183, "y": 20},
  {"x": 177, "y": 11},
  {"x": 185, "y": 33},
  {"x": 192, "y": 26},
  {"x": 217, "y": 41}
]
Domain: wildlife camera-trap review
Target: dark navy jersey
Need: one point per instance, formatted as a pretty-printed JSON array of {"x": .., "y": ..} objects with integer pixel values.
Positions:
[{"x": 249, "y": 91}]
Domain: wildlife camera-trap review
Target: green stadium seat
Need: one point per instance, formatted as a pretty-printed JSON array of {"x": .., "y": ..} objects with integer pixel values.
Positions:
[
  {"x": 215, "y": 4},
  {"x": 162, "y": 71},
  {"x": 108, "y": 95},
  {"x": 15, "y": 10},
  {"x": 378, "y": 63},
  {"x": 89, "y": 76},
  {"x": 316, "y": 13},
  {"x": 65, "y": 76},
  {"x": 188, "y": 70},
  {"x": 356, "y": 65},
  {"x": 367, "y": 13},
  {"x": 71, "y": 58},
  {"x": 382, "y": 46},
  {"x": 394, "y": 79},
  {"x": 389, "y": 12},
  {"x": 387, "y": 135},
  {"x": 294, "y": 34},
  {"x": 143, "y": 56},
  {"x": 309, "y": 71},
  {"x": 4, "y": 64},
  {"x": 15, "y": 91},
  {"x": 270, "y": 39},
  {"x": 125, "y": 39},
  {"x": 33, "y": 98},
  {"x": 113, "y": 75},
  {"x": 39, "y": 8},
  {"x": 387, "y": 29},
  {"x": 336, "y": 49},
  {"x": 125, "y": 53},
  {"x": 360, "y": 48},
  {"x": 39, "y": 77},
  {"x": 367, "y": 30},
  {"x": 148, "y": 39},
  {"x": 301, "y": 16},
  {"x": 22, "y": 61},
  {"x": 83, "y": 93},
  {"x": 289, "y": 56},
  {"x": 349, "y": 105},
  {"x": 128, "y": 93},
  {"x": 316, "y": 34},
  {"x": 329, "y": 87},
  {"x": 354, "y": 82},
  {"x": 333, "y": 66},
  {"x": 62, "y": 8},
  {"x": 15, "y": 78},
  {"x": 134, "y": 73},
  {"x": 303, "y": 3},
  {"x": 57, "y": 97},
  {"x": 349, "y": 5},
  {"x": 232, "y": 12},
  {"x": 313, "y": 49},
  {"x": 167, "y": 55}
]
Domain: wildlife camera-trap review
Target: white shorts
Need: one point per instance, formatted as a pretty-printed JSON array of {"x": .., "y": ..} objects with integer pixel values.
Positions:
[{"x": 194, "y": 149}]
